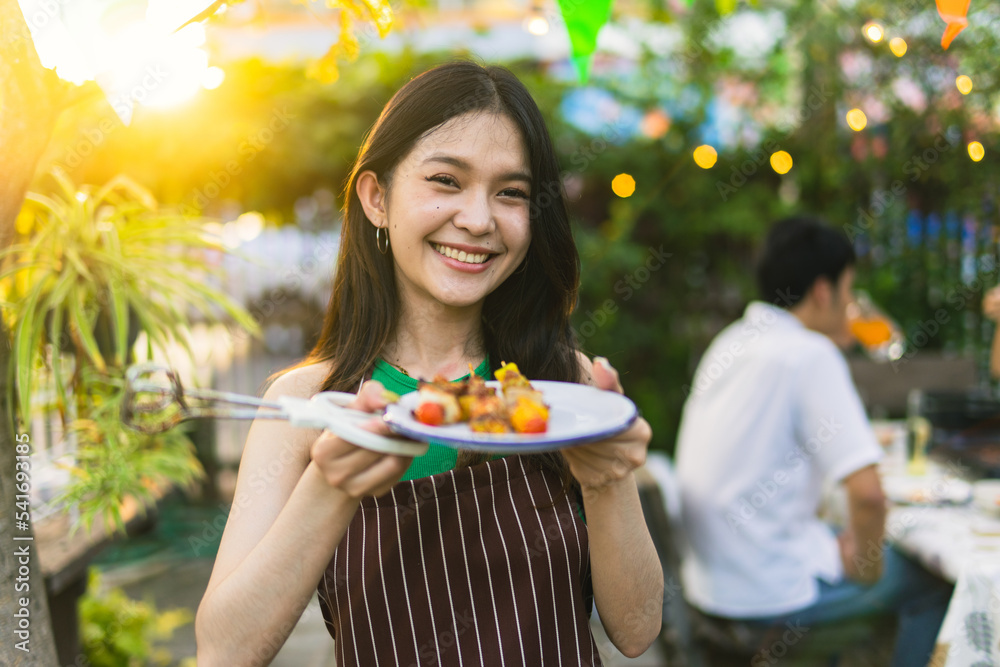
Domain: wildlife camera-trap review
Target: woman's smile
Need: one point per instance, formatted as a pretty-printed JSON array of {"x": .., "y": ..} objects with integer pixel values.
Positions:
[{"x": 463, "y": 257}]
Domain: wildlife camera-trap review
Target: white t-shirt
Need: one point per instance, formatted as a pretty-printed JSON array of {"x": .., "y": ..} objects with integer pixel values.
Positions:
[{"x": 772, "y": 416}]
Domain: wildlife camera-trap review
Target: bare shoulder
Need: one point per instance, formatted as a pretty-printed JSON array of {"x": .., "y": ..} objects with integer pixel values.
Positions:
[
  {"x": 586, "y": 368},
  {"x": 302, "y": 382}
]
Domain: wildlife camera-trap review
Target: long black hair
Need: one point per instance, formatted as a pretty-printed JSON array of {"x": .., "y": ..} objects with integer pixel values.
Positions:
[{"x": 524, "y": 320}]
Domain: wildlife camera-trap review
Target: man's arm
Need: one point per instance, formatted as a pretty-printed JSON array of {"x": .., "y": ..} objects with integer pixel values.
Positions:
[
  {"x": 991, "y": 309},
  {"x": 861, "y": 543}
]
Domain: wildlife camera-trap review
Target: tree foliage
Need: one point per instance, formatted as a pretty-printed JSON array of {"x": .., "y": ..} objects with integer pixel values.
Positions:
[{"x": 923, "y": 246}]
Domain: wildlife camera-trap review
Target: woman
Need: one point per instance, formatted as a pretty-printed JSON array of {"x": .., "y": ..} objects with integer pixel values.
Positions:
[{"x": 448, "y": 258}]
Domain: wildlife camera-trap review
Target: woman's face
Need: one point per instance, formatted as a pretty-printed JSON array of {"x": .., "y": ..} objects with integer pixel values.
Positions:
[{"x": 457, "y": 211}]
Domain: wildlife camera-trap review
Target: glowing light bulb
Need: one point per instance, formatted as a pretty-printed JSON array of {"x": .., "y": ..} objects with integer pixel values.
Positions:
[
  {"x": 964, "y": 84},
  {"x": 873, "y": 31},
  {"x": 781, "y": 162},
  {"x": 655, "y": 124},
  {"x": 213, "y": 78},
  {"x": 856, "y": 119},
  {"x": 535, "y": 22},
  {"x": 976, "y": 151},
  {"x": 623, "y": 185},
  {"x": 898, "y": 46},
  {"x": 705, "y": 156}
]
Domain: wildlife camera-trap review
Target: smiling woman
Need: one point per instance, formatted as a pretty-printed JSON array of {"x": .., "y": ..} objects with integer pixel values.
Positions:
[
  {"x": 456, "y": 211},
  {"x": 449, "y": 261}
]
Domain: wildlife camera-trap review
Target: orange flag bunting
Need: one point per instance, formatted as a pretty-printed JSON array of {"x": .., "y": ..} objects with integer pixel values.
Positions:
[{"x": 953, "y": 12}]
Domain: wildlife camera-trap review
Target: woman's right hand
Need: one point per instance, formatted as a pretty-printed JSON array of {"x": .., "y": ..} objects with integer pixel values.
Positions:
[
  {"x": 354, "y": 470},
  {"x": 991, "y": 304}
]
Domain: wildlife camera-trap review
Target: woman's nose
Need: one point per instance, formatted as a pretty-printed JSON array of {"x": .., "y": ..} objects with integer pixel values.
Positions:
[{"x": 476, "y": 214}]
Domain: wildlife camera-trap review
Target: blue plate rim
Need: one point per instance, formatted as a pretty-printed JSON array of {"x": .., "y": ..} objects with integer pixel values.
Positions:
[{"x": 529, "y": 444}]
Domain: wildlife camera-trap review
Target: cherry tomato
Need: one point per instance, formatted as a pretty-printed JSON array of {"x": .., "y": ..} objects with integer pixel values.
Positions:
[{"x": 431, "y": 414}]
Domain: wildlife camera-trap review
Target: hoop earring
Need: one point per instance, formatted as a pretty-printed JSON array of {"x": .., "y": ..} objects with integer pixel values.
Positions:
[{"x": 378, "y": 240}]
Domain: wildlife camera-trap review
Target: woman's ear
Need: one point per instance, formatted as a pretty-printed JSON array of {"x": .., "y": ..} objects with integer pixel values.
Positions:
[{"x": 372, "y": 197}]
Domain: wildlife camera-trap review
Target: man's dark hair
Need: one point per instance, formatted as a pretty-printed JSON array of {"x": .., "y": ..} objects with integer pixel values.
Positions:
[{"x": 797, "y": 251}]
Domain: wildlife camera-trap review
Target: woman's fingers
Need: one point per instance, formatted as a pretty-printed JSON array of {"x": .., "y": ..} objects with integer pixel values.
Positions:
[
  {"x": 378, "y": 478},
  {"x": 599, "y": 463},
  {"x": 605, "y": 376},
  {"x": 371, "y": 398},
  {"x": 355, "y": 470}
]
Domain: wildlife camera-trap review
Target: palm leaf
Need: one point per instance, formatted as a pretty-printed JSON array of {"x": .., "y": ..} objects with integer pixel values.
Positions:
[
  {"x": 74, "y": 258},
  {"x": 55, "y": 334},
  {"x": 26, "y": 339},
  {"x": 119, "y": 301},
  {"x": 65, "y": 184},
  {"x": 52, "y": 206},
  {"x": 84, "y": 328},
  {"x": 130, "y": 187}
]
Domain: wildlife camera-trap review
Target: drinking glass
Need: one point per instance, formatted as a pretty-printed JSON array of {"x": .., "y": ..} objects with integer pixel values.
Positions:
[{"x": 879, "y": 335}]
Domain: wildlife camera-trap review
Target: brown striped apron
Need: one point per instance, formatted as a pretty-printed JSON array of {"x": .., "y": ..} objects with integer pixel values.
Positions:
[{"x": 461, "y": 569}]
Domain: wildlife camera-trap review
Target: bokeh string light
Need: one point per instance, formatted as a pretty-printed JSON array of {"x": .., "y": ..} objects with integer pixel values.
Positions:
[
  {"x": 873, "y": 31},
  {"x": 705, "y": 156},
  {"x": 976, "y": 151},
  {"x": 623, "y": 185},
  {"x": 781, "y": 162},
  {"x": 857, "y": 120}
]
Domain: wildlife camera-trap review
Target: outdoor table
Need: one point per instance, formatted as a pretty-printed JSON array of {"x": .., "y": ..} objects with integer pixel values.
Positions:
[
  {"x": 962, "y": 545},
  {"x": 957, "y": 542}
]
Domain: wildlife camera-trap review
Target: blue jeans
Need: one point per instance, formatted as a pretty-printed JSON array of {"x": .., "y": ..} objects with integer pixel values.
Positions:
[{"x": 918, "y": 598}]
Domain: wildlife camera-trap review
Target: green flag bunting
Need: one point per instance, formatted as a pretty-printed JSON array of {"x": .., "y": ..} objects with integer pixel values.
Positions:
[{"x": 584, "y": 19}]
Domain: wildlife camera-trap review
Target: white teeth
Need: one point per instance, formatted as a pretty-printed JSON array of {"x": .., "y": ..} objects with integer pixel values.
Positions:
[{"x": 461, "y": 255}]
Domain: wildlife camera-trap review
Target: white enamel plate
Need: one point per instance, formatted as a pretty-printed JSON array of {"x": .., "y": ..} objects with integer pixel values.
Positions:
[{"x": 578, "y": 413}]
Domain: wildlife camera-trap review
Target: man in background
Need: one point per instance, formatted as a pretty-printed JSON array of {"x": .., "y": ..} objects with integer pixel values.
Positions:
[{"x": 772, "y": 418}]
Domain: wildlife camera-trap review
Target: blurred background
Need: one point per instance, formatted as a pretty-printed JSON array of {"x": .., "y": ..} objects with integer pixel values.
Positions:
[{"x": 690, "y": 127}]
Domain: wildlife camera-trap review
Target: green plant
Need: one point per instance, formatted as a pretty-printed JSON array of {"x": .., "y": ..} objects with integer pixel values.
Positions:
[
  {"x": 91, "y": 251},
  {"x": 117, "y": 631},
  {"x": 114, "y": 462},
  {"x": 94, "y": 267}
]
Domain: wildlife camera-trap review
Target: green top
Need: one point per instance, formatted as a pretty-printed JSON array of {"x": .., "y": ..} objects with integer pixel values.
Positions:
[{"x": 439, "y": 458}]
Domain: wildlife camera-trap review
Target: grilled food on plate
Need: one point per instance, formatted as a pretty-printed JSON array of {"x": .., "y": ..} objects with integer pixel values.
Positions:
[{"x": 519, "y": 409}]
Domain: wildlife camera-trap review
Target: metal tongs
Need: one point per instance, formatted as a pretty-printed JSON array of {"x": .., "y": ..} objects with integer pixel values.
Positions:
[{"x": 326, "y": 410}]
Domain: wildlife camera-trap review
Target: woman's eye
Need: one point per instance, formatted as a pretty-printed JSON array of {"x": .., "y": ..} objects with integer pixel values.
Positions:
[
  {"x": 514, "y": 192},
  {"x": 444, "y": 179}
]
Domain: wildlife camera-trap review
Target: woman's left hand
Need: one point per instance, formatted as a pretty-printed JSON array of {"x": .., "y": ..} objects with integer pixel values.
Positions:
[{"x": 606, "y": 462}]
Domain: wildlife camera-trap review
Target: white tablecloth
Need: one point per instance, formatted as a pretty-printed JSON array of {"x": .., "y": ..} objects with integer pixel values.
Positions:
[
  {"x": 962, "y": 544},
  {"x": 970, "y": 635}
]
